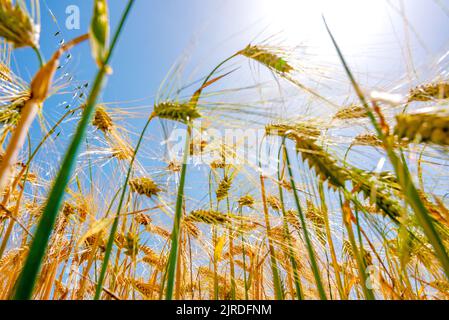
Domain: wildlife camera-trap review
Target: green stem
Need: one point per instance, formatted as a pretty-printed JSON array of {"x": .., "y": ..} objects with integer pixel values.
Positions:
[
  {"x": 298, "y": 286},
  {"x": 278, "y": 289},
  {"x": 231, "y": 256},
  {"x": 369, "y": 295},
  {"x": 107, "y": 254},
  {"x": 243, "y": 254},
  {"x": 402, "y": 172},
  {"x": 173, "y": 257},
  {"x": 40, "y": 57},
  {"x": 331, "y": 242},
  {"x": 214, "y": 240},
  {"x": 313, "y": 262},
  {"x": 27, "y": 278},
  {"x": 274, "y": 268}
]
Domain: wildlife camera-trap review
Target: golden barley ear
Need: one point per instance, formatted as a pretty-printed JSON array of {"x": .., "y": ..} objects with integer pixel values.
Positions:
[
  {"x": 143, "y": 219},
  {"x": 246, "y": 201},
  {"x": 274, "y": 202},
  {"x": 429, "y": 92},
  {"x": 14, "y": 94},
  {"x": 16, "y": 24},
  {"x": 144, "y": 186},
  {"x": 10, "y": 113},
  {"x": 292, "y": 218},
  {"x": 223, "y": 189},
  {"x": 218, "y": 164},
  {"x": 146, "y": 289},
  {"x": 367, "y": 139},
  {"x": 102, "y": 120},
  {"x": 192, "y": 229},
  {"x": 351, "y": 112},
  {"x": 181, "y": 112},
  {"x": 122, "y": 151},
  {"x": 423, "y": 127},
  {"x": 174, "y": 167},
  {"x": 5, "y": 72},
  {"x": 293, "y": 130}
]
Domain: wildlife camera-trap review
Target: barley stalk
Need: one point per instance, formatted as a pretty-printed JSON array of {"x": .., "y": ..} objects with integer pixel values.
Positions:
[
  {"x": 37, "y": 249},
  {"x": 39, "y": 91},
  {"x": 312, "y": 256},
  {"x": 402, "y": 172},
  {"x": 294, "y": 265},
  {"x": 278, "y": 290}
]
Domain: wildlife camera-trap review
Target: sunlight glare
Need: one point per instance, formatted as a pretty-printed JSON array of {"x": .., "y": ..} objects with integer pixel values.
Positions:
[{"x": 354, "y": 22}]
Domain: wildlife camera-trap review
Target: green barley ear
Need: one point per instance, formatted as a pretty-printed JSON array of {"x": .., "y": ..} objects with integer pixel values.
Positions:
[
  {"x": 207, "y": 216},
  {"x": 144, "y": 186},
  {"x": 16, "y": 24},
  {"x": 99, "y": 31},
  {"x": 423, "y": 127},
  {"x": 267, "y": 58},
  {"x": 129, "y": 243},
  {"x": 379, "y": 190},
  {"x": 305, "y": 137},
  {"x": 323, "y": 163},
  {"x": 181, "y": 112},
  {"x": 429, "y": 92}
]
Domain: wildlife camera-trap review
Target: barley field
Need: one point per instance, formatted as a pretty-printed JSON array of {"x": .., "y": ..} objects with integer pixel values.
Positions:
[{"x": 224, "y": 150}]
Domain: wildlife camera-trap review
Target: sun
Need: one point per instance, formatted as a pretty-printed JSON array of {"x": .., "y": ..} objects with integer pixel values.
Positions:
[{"x": 354, "y": 22}]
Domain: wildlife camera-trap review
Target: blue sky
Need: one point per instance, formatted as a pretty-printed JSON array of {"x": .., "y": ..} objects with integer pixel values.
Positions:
[
  {"x": 158, "y": 32},
  {"x": 371, "y": 32}
]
